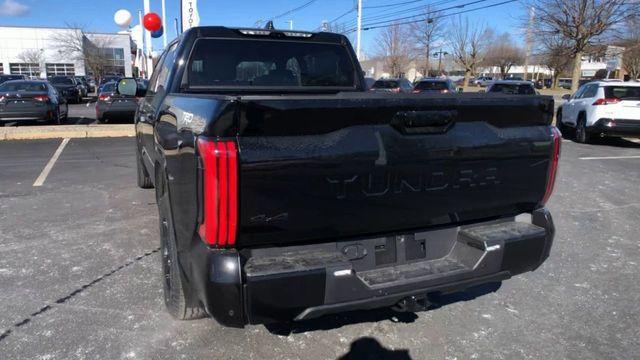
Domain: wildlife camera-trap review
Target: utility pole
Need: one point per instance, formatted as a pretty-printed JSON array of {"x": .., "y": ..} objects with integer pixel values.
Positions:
[
  {"x": 359, "y": 31},
  {"x": 290, "y": 24},
  {"x": 175, "y": 21},
  {"x": 528, "y": 42},
  {"x": 164, "y": 24}
]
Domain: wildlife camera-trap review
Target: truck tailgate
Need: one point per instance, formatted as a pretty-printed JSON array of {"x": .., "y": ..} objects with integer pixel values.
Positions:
[{"x": 338, "y": 166}]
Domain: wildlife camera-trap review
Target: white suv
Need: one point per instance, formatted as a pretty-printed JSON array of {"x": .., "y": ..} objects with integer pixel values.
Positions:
[{"x": 605, "y": 108}]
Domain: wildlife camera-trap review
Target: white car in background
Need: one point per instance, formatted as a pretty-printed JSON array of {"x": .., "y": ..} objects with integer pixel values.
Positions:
[{"x": 601, "y": 108}]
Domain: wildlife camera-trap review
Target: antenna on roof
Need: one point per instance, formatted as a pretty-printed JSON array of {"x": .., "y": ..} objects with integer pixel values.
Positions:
[{"x": 269, "y": 25}]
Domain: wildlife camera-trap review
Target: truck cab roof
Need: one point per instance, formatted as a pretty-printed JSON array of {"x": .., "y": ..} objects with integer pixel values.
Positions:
[{"x": 239, "y": 33}]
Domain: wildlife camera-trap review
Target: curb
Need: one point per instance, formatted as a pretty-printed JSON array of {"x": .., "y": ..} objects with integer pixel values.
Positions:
[{"x": 66, "y": 131}]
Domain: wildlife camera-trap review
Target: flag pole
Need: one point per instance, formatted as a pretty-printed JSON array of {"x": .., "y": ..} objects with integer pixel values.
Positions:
[{"x": 164, "y": 24}]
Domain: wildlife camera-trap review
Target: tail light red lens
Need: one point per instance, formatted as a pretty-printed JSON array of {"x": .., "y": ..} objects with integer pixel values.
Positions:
[
  {"x": 43, "y": 98},
  {"x": 609, "y": 101},
  {"x": 416, "y": 91},
  {"x": 104, "y": 97},
  {"x": 220, "y": 192},
  {"x": 395, "y": 90},
  {"x": 553, "y": 164}
]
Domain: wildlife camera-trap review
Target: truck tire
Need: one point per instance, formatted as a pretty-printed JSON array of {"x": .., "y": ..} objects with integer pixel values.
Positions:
[
  {"x": 582, "y": 136},
  {"x": 144, "y": 181},
  {"x": 178, "y": 299}
]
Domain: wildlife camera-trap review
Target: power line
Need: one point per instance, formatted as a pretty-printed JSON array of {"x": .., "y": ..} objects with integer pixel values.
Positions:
[
  {"x": 386, "y": 14},
  {"x": 289, "y": 12},
  {"x": 390, "y": 5},
  {"x": 435, "y": 17},
  {"x": 428, "y": 12},
  {"x": 337, "y": 18}
]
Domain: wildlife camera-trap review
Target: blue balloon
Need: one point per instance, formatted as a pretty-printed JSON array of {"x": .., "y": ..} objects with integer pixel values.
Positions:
[{"x": 156, "y": 34}]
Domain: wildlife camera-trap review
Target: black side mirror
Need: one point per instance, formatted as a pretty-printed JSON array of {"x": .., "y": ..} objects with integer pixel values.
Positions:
[
  {"x": 130, "y": 87},
  {"x": 566, "y": 97}
]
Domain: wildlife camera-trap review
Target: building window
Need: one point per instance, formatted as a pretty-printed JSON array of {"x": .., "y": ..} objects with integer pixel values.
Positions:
[
  {"x": 32, "y": 70},
  {"x": 114, "y": 60},
  {"x": 1, "y": 68},
  {"x": 60, "y": 69}
]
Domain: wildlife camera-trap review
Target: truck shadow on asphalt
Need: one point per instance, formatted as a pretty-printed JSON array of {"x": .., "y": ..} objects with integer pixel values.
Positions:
[
  {"x": 329, "y": 322},
  {"x": 370, "y": 348}
]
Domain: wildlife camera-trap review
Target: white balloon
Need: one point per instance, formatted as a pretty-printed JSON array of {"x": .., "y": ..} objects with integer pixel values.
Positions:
[{"x": 122, "y": 18}]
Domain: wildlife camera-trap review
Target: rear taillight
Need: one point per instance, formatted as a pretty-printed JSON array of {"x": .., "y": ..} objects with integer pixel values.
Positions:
[
  {"x": 606, "y": 101},
  {"x": 416, "y": 91},
  {"x": 395, "y": 90},
  {"x": 444, "y": 91},
  {"x": 104, "y": 97},
  {"x": 42, "y": 98},
  {"x": 556, "y": 139},
  {"x": 219, "y": 191}
]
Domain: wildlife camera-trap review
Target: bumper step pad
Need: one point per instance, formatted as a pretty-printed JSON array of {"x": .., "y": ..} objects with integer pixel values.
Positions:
[{"x": 411, "y": 271}]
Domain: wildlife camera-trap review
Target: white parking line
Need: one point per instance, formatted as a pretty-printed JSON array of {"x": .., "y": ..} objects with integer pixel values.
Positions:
[
  {"x": 47, "y": 169},
  {"x": 610, "y": 157}
]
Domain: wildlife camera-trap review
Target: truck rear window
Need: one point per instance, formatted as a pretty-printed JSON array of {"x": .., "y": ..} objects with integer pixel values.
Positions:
[
  {"x": 232, "y": 63},
  {"x": 622, "y": 92}
]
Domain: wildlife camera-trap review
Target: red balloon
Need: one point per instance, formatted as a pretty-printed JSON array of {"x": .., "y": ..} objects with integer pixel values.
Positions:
[{"x": 152, "y": 22}]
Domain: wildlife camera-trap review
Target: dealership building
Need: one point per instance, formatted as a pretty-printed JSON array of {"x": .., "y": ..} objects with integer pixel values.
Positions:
[{"x": 39, "y": 52}]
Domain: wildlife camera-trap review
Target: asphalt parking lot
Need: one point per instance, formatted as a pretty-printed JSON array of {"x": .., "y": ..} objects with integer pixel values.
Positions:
[{"x": 80, "y": 274}]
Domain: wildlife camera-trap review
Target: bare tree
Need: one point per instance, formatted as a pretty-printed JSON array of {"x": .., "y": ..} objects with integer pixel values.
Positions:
[
  {"x": 77, "y": 44},
  {"x": 631, "y": 43},
  {"x": 554, "y": 54},
  {"x": 503, "y": 53},
  {"x": 394, "y": 47},
  {"x": 428, "y": 33},
  {"x": 468, "y": 42},
  {"x": 580, "y": 22},
  {"x": 31, "y": 56}
]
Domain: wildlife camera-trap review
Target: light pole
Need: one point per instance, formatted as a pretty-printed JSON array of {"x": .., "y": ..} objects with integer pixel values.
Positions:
[
  {"x": 164, "y": 24},
  {"x": 439, "y": 54}
]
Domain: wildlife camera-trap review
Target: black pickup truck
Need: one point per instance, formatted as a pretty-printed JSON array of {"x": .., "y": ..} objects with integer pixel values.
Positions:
[{"x": 286, "y": 191}]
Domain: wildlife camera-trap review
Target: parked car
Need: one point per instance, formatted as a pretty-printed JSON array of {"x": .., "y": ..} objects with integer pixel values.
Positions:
[
  {"x": 68, "y": 87},
  {"x": 31, "y": 100},
  {"x": 604, "y": 108},
  {"x": 483, "y": 81},
  {"x": 400, "y": 85},
  {"x": 110, "y": 78},
  {"x": 434, "y": 86},
  {"x": 114, "y": 106},
  {"x": 369, "y": 82},
  {"x": 4, "y": 78},
  {"x": 565, "y": 83},
  {"x": 512, "y": 87},
  {"x": 287, "y": 193},
  {"x": 88, "y": 88}
]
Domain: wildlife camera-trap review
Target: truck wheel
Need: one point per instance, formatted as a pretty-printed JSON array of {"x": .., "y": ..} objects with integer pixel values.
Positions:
[
  {"x": 144, "y": 181},
  {"x": 178, "y": 299},
  {"x": 582, "y": 136}
]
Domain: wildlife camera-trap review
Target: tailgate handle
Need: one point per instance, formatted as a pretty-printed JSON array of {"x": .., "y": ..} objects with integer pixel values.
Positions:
[{"x": 424, "y": 122}]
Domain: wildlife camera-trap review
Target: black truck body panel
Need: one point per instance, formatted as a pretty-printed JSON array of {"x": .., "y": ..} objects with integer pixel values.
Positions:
[{"x": 350, "y": 200}]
